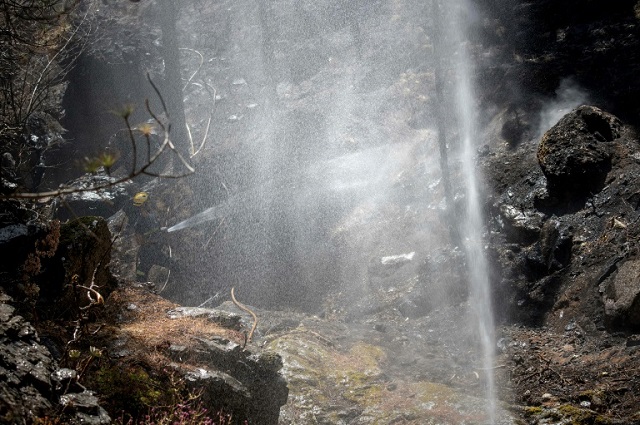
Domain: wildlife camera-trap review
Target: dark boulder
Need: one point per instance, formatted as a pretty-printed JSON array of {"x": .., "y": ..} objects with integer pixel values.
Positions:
[
  {"x": 575, "y": 154},
  {"x": 83, "y": 409},
  {"x": 520, "y": 225},
  {"x": 563, "y": 234}
]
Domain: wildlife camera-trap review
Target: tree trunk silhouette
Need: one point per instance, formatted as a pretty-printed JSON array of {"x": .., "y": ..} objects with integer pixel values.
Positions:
[
  {"x": 172, "y": 87},
  {"x": 439, "y": 52}
]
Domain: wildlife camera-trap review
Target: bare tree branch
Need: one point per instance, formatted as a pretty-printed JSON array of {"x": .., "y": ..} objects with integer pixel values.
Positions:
[{"x": 163, "y": 149}]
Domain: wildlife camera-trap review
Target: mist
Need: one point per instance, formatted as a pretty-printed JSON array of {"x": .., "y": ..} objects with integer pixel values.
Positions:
[
  {"x": 320, "y": 182},
  {"x": 569, "y": 95}
]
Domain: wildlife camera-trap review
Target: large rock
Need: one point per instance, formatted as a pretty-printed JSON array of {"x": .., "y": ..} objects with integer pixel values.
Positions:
[
  {"x": 341, "y": 374},
  {"x": 622, "y": 296},
  {"x": 557, "y": 224},
  {"x": 575, "y": 154}
]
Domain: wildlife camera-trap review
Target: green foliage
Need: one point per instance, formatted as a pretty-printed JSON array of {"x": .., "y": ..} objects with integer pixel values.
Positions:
[
  {"x": 104, "y": 160},
  {"x": 143, "y": 399},
  {"x": 130, "y": 389}
]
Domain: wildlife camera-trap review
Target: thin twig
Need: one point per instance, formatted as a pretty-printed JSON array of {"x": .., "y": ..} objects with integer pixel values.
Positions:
[
  {"x": 166, "y": 281},
  {"x": 190, "y": 138},
  {"x": 35, "y": 88},
  {"x": 197, "y": 70},
  {"x": 204, "y": 138},
  {"x": 166, "y": 143},
  {"x": 167, "y": 129}
]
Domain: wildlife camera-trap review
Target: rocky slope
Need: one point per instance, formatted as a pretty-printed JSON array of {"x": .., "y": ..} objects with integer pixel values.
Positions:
[{"x": 300, "y": 94}]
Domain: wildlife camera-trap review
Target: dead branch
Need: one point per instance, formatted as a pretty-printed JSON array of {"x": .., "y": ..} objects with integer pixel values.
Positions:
[
  {"x": 53, "y": 59},
  {"x": 136, "y": 171},
  {"x": 199, "y": 65}
]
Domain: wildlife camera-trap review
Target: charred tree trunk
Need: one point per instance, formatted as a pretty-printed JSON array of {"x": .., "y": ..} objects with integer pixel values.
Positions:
[{"x": 172, "y": 92}]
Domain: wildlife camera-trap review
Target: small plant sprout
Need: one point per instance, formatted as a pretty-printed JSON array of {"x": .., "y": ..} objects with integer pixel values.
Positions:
[
  {"x": 125, "y": 111},
  {"x": 91, "y": 165},
  {"x": 147, "y": 129},
  {"x": 107, "y": 160},
  {"x": 95, "y": 352}
]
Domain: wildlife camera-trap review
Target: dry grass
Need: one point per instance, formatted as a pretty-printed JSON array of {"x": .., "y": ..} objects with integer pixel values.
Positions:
[{"x": 151, "y": 330}]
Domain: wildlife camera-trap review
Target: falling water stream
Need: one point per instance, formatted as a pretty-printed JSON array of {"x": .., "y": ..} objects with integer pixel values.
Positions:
[
  {"x": 471, "y": 229},
  {"x": 473, "y": 225}
]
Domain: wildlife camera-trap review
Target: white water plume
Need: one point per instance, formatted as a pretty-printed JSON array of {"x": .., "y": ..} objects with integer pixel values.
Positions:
[{"x": 472, "y": 227}]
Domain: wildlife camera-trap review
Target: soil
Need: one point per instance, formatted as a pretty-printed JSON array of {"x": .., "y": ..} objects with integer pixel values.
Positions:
[{"x": 541, "y": 367}]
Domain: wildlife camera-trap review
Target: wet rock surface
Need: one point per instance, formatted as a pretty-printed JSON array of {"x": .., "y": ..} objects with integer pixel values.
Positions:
[
  {"x": 543, "y": 239},
  {"x": 410, "y": 370},
  {"x": 562, "y": 234}
]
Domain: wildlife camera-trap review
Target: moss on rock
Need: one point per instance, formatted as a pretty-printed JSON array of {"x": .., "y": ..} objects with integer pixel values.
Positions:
[{"x": 80, "y": 262}]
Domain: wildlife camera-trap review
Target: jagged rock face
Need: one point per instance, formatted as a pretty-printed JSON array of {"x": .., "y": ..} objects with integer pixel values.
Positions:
[
  {"x": 32, "y": 383},
  {"x": 575, "y": 154},
  {"x": 242, "y": 381},
  {"x": 26, "y": 367},
  {"x": 562, "y": 229}
]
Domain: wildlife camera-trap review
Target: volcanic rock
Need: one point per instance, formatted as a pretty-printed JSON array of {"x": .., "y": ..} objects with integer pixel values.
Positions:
[{"x": 575, "y": 154}]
